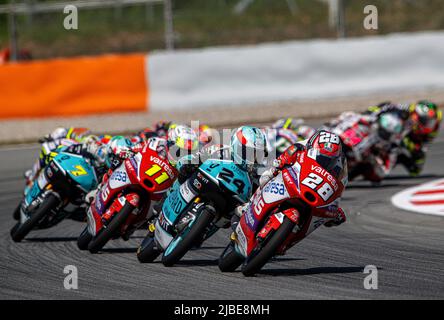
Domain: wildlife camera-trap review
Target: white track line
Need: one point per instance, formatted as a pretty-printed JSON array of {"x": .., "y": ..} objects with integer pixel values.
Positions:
[{"x": 408, "y": 199}]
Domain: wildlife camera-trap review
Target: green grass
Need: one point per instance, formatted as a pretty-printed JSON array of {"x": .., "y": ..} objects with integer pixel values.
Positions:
[{"x": 201, "y": 23}]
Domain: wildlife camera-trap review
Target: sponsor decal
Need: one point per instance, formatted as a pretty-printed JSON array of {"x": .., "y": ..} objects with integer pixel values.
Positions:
[
  {"x": 275, "y": 190},
  {"x": 242, "y": 240},
  {"x": 185, "y": 192},
  {"x": 427, "y": 198},
  {"x": 250, "y": 219}
]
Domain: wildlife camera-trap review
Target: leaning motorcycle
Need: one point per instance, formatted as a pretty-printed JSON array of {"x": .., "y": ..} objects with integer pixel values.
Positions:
[
  {"x": 65, "y": 180},
  {"x": 122, "y": 204},
  {"x": 283, "y": 212},
  {"x": 368, "y": 154},
  {"x": 195, "y": 210}
]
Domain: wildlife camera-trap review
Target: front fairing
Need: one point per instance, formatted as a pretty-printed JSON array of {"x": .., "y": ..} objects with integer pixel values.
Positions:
[
  {"x": 78, "y": 170},
  {"x": 36, "y": 189},
  {"x": 229, "y": 176}
]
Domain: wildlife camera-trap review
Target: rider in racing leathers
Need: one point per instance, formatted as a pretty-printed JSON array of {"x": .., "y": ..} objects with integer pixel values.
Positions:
[
  {"x": 423, "y": 119},
  {"x": 248, "y": 147},
  {"x": 60, "y": 137},
  {"x": 290, "y": 156}
]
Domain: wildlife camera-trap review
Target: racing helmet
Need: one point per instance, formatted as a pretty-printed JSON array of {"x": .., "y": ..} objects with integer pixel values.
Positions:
[
  {"x": 390, "y": 127},
  {"x": 117, "y": 148},
  {"x": 248, "y": 146},
  {"x": 181, "y": 141},
  {"x": 287, "y": 123},
  {"x": 146, "y": 134},
  {"x": 58, "y": 133},
  {"x": 78, "y": 134},
  {"x": 206, "y": 134},
  {"x": 161, "y": 128},
  {"x": 425, "y": 116},
  {"x": 305, "y": 132},
  {"x": 326, "y": 149}
]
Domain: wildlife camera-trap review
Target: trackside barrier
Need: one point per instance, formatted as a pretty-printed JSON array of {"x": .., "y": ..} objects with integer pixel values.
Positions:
[
  {"x": 296, "y": 70},
  {"x": 76, "y": 86},
  {"x": 214, "y": 78}
]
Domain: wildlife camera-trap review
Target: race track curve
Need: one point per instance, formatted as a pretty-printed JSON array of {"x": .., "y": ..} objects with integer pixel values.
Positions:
[{"x": 407, "y": 248}]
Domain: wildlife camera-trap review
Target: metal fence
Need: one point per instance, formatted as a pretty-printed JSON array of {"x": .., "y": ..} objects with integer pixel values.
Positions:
[{"x": 146, "y": 25}]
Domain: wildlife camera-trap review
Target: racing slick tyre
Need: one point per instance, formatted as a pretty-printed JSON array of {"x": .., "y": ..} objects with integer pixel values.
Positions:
[
  {"x": 148, "y": 251},
  {"x": 268, "y": 250},
  {"x": 21, "y": 230},
  {"x": 16, "y": 214},
  {"x": 84, "y": 239},
  {"x": 185, "y": 240},
  {"x": 106, "y": 233},
  {"x": 230, "y": 260}
]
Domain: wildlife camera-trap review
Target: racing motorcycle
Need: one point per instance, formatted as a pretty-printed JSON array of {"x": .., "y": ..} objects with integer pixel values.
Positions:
[
  {"x": 195, "y": 210},
  {"x": 65, "y": 180},
  {"x": 122, "y": 204},
  {"x": 279, "y": 140},
  {"x": 283, "y": 212},
  {"x": 371, "y": 149}
]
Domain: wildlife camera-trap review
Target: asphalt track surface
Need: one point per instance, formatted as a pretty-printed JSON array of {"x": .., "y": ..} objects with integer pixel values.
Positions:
[{"x": 407, "y": 248}]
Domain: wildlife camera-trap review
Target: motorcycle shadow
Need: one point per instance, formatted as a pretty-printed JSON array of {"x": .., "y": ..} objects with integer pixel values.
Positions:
[
  {"x": 407, "y": 177},
  {"x": 118, "y": 250},
  {"x": 198, "y": 263},
  {"x": 310, "y": 271},
  {"x": 368, "y": 185},
  {"x": 52, "y": 239}
]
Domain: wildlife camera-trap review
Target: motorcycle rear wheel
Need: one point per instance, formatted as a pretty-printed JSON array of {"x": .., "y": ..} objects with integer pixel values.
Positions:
[
  {"x": 148, "y": 251},
  {"x": 230, "y": 260},
  {"x": 21, "y": 230},
  {"x": 84, "y": 239},
  {"x": 105, "y": 234},
  {"x": 263, "y": 255},
  {"x": 191, "y": 238}
]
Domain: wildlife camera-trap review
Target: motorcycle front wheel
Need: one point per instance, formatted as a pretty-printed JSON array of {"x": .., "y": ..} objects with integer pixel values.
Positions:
[
  {"x": 21, "y": 230},
  {"x": 84, "y": 239},
  {"x": 184, "y": 241},
  {"x": 106, "y": 233},
  {"x": 16, "y": 213},
  {"x": 230, "y": 260},
  {"x": 262, "y": 255},
  {"x": 148, "y": 251}
]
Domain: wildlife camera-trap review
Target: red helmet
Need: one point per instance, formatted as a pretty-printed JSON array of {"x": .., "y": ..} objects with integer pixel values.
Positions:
[{"x": 326, "y": 148}]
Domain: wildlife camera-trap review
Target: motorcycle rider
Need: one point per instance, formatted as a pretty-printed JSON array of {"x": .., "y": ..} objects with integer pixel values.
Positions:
[
  {"x": 327, "y": 148},
  {"x": 248, "y": 148},
  {"x": 329, "y": 153},
  {"x": 59, "y": 137},
  {"x": 180, "y": 139},
  {"x": 423, "y": 119}
]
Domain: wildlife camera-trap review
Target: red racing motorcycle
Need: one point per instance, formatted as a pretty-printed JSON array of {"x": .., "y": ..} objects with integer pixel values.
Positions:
[
  {"x": 298, "y": 200},
  {"x": 371, "y": 149},
  {"x": 122, "y": 204}
]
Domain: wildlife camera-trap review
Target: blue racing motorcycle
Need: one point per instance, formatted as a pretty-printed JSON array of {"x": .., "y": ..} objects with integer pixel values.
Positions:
[
  {"x": 65, "y": 180},
  {"x": 194, "y": 210}
]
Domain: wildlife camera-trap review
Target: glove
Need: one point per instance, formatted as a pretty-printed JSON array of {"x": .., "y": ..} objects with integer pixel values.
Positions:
[
  {"x": 340, "y": 219},
  {"x": 124, "y": 153},
  {"x": 267, "y": 176}
]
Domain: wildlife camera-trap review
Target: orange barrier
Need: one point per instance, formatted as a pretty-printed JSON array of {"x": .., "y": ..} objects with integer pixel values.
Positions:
[{"x": 78, "y": 86}]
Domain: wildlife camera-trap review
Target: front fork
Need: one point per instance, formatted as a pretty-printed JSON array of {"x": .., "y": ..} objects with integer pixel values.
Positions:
[
  {"x": 96, "y": 222},
  {"x": 274, "y": 222}
]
